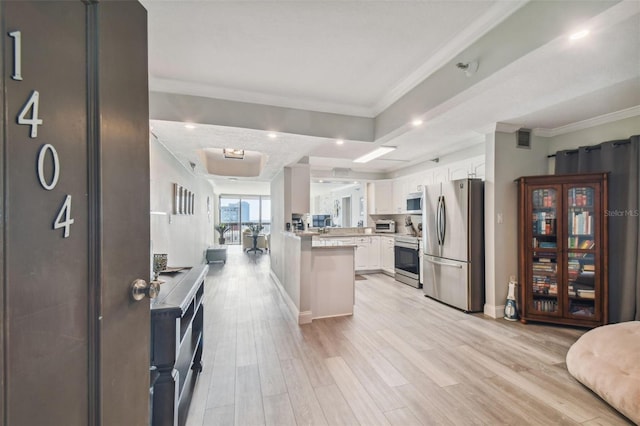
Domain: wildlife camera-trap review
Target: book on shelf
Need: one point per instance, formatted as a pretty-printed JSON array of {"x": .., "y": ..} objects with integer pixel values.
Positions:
[
  {"x": 581, "y": 223},
  {"x": 587, "y": 244},
  {"x": 586, "y": 294},
  {"x": 548, "y": 244},
  {"x": 580, "y": 197},
  {"x": 544, "y": 198}
]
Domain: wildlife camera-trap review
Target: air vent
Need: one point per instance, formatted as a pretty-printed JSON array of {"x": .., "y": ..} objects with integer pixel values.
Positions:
[
  {"x": 523, "y": 138},
  {"x": 341, "y": 172}
]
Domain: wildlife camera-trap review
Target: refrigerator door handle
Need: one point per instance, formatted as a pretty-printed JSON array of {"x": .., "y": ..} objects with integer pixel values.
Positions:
[
  {"x": 443, "y": 220},
  {"x": 438, "y": 221},
  {"x": 438, "y": 262}
]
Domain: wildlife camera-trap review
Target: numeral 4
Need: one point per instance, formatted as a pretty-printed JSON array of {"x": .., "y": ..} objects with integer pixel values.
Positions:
[
  {"x": 63, "y": 220},
  {"x": 34, "y": 121}
]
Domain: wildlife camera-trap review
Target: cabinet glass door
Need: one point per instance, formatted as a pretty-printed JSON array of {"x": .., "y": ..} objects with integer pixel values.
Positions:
[
  {"x": 581, "y": 248},
  {"x": 544, "y": 263}
]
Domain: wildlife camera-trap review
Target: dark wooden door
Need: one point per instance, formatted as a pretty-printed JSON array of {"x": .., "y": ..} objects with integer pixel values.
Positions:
[{"x": 75, "y": 213}]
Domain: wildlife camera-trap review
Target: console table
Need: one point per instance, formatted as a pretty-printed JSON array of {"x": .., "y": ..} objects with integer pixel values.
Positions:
[{"x": 176, "y": 344}]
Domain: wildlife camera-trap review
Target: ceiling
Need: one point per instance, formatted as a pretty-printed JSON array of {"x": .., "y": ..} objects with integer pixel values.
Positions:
[{"x": 374, "y": 66}]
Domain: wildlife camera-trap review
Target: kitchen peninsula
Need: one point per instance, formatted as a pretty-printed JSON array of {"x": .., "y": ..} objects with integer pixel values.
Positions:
[{"x": 319, "y": 277}]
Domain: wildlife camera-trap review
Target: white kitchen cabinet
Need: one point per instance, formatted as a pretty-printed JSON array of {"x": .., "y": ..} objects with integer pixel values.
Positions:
[
  {"x": 460, "y": 171},
  {"x": 387, "y": 261},
  {"x": 297, "y": 179},
  {"x": 380, "y": 197},
  {"x": 400, "y": 191},
  {"x": 367, "y": 253},
  {"x": 374, "y": 253},
  {"x": 362, "y": 253}
]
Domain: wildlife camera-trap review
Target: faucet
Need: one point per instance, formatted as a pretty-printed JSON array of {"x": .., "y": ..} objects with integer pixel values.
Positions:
[{"x": 327, "y": 219}]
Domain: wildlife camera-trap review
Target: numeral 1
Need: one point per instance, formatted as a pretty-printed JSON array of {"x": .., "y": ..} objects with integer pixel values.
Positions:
[
  {"x": 64, "y": 213},
  {"x": 17, "y": 54},
  {"x": 34, "y": 121}
]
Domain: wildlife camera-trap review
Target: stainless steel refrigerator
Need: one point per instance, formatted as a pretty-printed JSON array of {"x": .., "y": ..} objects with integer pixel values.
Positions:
[{"x": 453, "y": 241}]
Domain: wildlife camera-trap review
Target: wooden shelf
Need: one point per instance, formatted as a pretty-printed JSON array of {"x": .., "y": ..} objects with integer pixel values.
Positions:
[{"x": 567, "y": 261}]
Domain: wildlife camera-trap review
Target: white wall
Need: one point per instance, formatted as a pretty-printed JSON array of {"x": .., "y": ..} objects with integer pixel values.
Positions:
[
  {"x": 183, "y": 237},
  {"x": 505, "y": 163},
  {"x": 241, "y": 187},
  {"x": 279, "y": 204}
]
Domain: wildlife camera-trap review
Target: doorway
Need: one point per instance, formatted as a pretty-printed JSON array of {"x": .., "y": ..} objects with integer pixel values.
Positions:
[{"x": 346, "y": 212}]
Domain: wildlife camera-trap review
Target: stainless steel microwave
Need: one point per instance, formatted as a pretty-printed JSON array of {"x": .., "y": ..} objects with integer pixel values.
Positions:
[{"x": 413, "y": 203}]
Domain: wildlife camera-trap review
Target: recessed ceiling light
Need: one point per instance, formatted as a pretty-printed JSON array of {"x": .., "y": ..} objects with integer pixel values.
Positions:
[
  {"x": 339, "y": 141},
  {"x": 272, "y": 135},
  {"x": 579, "y": 35},
  {"x": 320, "y": 181},
  {"x": 374, "y": 154},
  {"x": 190, "y": 126},
  {"x": 417, "y": 122}
]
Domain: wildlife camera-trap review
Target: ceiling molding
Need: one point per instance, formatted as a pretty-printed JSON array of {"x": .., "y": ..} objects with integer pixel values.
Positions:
[
  {"x": 508, "y": 127},
  {"x": 224, "y": 93},
  {"x": 467, "y": 36},
  {"x": 591, "y": 122}
]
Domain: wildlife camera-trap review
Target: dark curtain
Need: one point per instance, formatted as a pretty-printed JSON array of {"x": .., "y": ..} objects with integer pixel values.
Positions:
[{"x": 622, "y": 160}]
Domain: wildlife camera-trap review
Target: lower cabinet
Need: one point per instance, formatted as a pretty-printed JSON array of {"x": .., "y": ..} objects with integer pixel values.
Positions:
[
  {"x": 177, "y": 316},
  {"x": 367, "y": 253},
  {"x": 387, "y": 261}
]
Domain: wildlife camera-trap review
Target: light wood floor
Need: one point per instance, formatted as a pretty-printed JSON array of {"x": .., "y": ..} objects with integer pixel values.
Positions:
[{"x": 401, "y": 359}]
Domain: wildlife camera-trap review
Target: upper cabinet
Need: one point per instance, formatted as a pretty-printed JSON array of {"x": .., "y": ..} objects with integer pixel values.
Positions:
[
  {"x": 389, "y": 196},
  {"x": 400, "y": 191},
  {"x": 298, "y": 182},
  {"x": 380, "y": 197}
]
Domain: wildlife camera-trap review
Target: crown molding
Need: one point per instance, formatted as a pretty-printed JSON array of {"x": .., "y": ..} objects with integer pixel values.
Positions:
[
  {"x": 508, "y": 127},
  {"x": 178, "y": 87},
  {"x": 588, "y": 123}
]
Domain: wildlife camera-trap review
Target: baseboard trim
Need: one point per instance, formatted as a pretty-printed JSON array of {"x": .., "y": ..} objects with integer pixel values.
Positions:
[
  {"x": 303, "y": 317},
  {"x": 494, "y": 311},
  {"x": 334, "y": 316}
]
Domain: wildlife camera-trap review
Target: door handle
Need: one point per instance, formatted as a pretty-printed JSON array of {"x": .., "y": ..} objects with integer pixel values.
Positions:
[
  {"x": 443, "y": 219},
  {"x": 140, "y": 289},
  {"x": 454, "y": 265}
]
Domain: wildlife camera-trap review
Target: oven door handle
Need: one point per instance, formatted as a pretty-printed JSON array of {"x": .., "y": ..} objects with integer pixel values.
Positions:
[
  {"x": 438, "y": 262},
  {"x": 406, "y": 245}
]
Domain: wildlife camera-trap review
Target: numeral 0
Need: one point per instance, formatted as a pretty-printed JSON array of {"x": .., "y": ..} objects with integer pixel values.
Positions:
[{"x": 56, "y": 167}]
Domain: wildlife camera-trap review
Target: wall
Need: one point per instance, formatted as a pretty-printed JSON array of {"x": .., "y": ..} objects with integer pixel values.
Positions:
[
  {"x": 183, "y": 237},
  {"x": 505, "y": 163},
  {"x": 279, "y": 204},
  {"x": 229, "y": 187}
]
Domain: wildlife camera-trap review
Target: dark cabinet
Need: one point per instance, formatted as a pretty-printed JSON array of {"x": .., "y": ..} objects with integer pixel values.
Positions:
[
  {"x": 176, "y": 344},
  {"x": 563, "y": 249}
]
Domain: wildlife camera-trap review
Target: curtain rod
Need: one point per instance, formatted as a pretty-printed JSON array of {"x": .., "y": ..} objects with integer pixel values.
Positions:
[{"x": 590, "y": 148}]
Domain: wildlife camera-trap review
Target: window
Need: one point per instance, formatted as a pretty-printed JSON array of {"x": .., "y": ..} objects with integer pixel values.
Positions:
[{"x": 241, "y": 210}]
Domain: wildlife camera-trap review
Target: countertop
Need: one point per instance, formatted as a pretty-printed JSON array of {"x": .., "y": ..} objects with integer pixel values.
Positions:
[
  {"x": 332, "y": 244},
  {"x": 358, "y": 234}
]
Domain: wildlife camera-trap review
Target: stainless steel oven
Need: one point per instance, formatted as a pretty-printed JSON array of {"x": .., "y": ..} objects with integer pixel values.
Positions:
[{"x": 407, "y": 260}]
